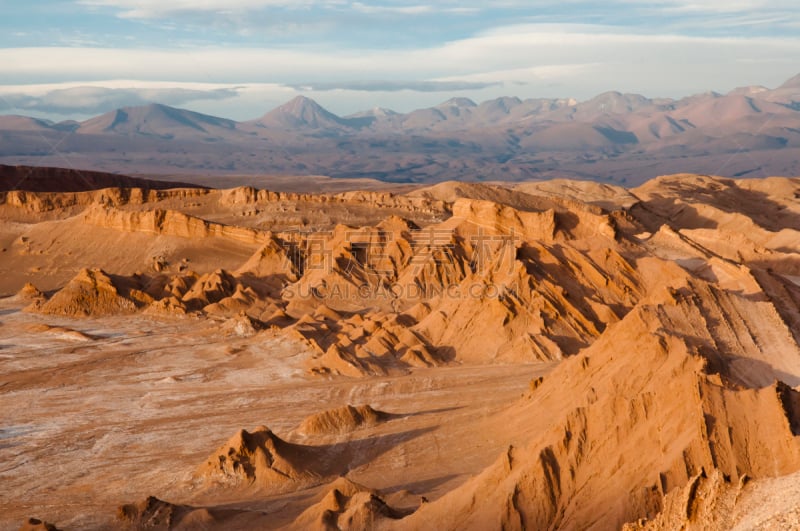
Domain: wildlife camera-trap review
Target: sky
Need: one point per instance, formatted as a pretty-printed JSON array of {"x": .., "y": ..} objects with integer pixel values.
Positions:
[{"x": 238, "y": 59}]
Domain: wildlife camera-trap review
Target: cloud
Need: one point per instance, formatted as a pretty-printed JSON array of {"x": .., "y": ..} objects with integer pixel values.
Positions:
[
  {"x": 88, "y": 100},
  {"x": 558, "y": 10},
  {"x": 715, "y": 6},
  {"x": 411, "y": 9},
  {"x": 400, "y": 10},
  {"x": 501, "y": 49},
  {"x": 150, "y": 9},
  {"x": 406, "y": 24},
  {"x": 532, "y": 60},
  {"x": 396, "y": 86},
  {"x": 146, "y": 9}
]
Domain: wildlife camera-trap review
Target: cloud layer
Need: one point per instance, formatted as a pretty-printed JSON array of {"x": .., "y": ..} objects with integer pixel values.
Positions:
[
  {"x": 96, "y": 100},
  {"x": 401, "y": 53},
  {"x": 395, "y": 86},
  {"x": 654, "y": 62},
  {"x": 768, "y": 14}
]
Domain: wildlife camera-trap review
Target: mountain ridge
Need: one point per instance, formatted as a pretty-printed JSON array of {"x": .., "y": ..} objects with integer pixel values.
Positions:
[
  {"x": 308, "y": 112},
  {"x": 303, "y": 113},
  {"x": 154, "y": 119},
  {"x": 619, "y": 137}
]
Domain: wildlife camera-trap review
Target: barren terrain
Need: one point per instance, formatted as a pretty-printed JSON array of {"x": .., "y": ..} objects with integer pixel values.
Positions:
[{"x": 558, "y": 354}]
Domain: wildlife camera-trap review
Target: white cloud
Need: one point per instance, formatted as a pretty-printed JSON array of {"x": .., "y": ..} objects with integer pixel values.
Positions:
[
  {"x": 526, "y": 74},
  {"x": 153, "y": 9},
  {"x": 411, "y": 9},
  {"x": 437, "y": 85},
  {"x": 516, "y": 47},
  {"x": 402, "y": 10},
  {"x": 249, "y": 17},
  {"x": 83, "y": 100},
  {"x": 88, "y": 100},
  {"x": 728, "y": 6},
  {"x": 541, "y": 60},
  {"x": 158, "y": 8}
]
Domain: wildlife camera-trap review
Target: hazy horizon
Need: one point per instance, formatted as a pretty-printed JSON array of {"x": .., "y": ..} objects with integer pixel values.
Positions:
[{"x": 123, "y": 94}]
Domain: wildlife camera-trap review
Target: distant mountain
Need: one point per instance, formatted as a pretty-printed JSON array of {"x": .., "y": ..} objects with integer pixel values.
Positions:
[
  {"x": 533, "y": 108},
  {"x": 493, "y": 111},
  {"x": 376, "y": 112},
  {"x": 735, "y": 113},
  {"x": 792, "y": 83},
  {"x": 463, "y": 103},
  {"x": 614, "y": 103},
  {"x": 302, "y": 113},
  {"x": 377, "y": 116},
  {"x": 626, "y": 138},
  {"x": 159, "y": 121},
  {"x": 752, "y": 90},
  {"x": 23, "y": 123}
]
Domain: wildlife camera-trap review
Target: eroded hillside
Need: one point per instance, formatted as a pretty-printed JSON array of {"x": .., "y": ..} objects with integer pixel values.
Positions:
[{"x": 465, "y": 356}]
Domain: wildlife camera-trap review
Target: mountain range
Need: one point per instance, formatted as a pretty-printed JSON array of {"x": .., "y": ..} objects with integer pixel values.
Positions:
[{"x": 626, "y": 138}]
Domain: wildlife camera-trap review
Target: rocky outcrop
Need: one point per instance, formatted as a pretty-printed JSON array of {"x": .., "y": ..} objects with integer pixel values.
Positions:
[
  {"x": 347, "y": 505},
  {"x": 615, "y": 440},
  {"x": 261, "y": 460},
  {"x": 342, "y": 420},
  {"x": 93, "y": 293},
  {"x": 168, "y": 222}
]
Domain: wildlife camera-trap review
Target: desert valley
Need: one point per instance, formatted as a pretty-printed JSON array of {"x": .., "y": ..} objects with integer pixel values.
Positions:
[
  {"x": 334, "y": 354},
  {"x": 396, "y": 265}
]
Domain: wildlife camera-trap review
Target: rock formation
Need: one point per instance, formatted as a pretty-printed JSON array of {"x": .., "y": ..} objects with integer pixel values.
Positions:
[
  {"x": 659, "y": 328},
  {"x": 342, "y": 420}
]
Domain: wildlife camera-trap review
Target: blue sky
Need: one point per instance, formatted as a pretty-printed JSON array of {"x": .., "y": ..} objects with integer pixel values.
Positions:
[{"x": 240, "y": 58}]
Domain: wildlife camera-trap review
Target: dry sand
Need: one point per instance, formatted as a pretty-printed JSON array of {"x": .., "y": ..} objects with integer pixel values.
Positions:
[{"x": 89, "y": 425}]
